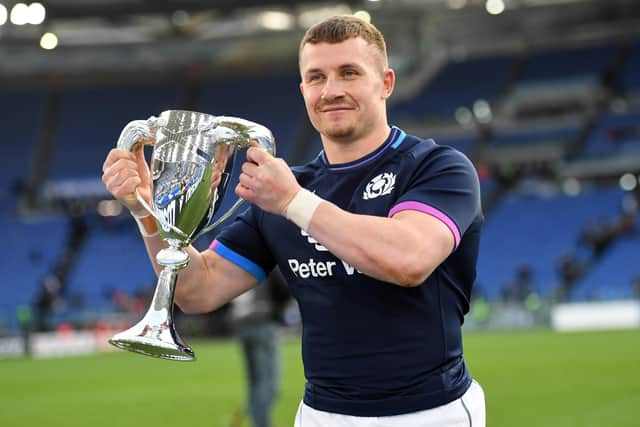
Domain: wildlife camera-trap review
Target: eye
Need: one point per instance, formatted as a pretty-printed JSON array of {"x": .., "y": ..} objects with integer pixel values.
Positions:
[
  {"x": 349, "y": 73},
  {"x": 312, "y": 78}
]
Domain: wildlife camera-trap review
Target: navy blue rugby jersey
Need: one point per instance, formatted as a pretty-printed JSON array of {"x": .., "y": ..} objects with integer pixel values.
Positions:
[{"x": 371, "y": 348}]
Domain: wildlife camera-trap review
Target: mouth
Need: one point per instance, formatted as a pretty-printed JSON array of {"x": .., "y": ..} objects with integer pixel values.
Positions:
[{"x": 333, "y": 109}]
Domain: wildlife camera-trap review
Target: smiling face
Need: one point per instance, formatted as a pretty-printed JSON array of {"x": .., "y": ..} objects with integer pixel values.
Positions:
[{"x": 345, "y": 86}]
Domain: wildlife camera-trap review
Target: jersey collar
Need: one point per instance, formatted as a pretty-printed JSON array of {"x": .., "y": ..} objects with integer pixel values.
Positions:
[{"x": 393, "y": 141}]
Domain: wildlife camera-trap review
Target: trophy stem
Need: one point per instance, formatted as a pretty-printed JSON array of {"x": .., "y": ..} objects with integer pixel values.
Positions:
[{"x": 155, "y": 335}]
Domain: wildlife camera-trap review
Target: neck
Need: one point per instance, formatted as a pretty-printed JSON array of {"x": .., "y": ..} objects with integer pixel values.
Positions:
[{"x": 347, "y": 150}]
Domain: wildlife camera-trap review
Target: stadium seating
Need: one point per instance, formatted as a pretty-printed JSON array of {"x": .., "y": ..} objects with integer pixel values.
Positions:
[
  {"x": 554, "y": 134},
  {"x": 458, "y": 84},
  {"x": 614, "y": 134},
  {"x": 91, "y": 120},
  {"x": 614, "y": 276},
  {"x": 533, "y": 228},
  {"x": 629, "y": 75},
  {"x": 111, "y": 260},
  {"x": 31, "y": 247},
  {"x": 32, "y": 250},
  {"x": 21, "y": 120},
  {"x": 535, "y": 231},
  {"x": 568, "y": 63},
  {"x": 561, "y": 81}
]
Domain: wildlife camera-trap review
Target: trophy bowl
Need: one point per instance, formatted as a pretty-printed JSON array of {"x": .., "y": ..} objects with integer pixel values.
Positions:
[{"x": 191, "y": 166}]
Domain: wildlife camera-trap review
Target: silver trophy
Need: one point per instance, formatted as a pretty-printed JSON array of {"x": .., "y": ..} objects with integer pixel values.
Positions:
[{"x": 191, "y": 165}]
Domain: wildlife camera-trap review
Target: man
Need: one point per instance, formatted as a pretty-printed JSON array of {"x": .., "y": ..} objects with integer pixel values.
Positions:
[
  {"x": 255, "y": 316},
  {"x": 377, "y": 239}
]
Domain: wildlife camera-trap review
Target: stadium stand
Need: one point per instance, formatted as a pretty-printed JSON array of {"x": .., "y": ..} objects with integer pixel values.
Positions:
[
  {"x": 629, "y": 76},
  {"x": 32, "y": 251},
  {"x": 21, "y": 132},
  {"x": 535, "y": 231},
  {"x": 547, "y": 134},
  {"x": 561, "y": 81},
  {"x": 615, "y": 277},
  {"x": 91, "y": 119},
  {"x": 569, "y": 63},
  {"x": 614, "y": 134},
  {"x": 458, "y": 84},
  {"x": 531, "y": 224},
  {"x": 32, "y": 247},
  {"x": 113, "y": 260}
]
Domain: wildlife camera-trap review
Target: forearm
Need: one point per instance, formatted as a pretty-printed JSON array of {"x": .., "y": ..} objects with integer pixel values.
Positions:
[
  {"x": 384, "y": 248},
  {"x": 402, "y": 250}
]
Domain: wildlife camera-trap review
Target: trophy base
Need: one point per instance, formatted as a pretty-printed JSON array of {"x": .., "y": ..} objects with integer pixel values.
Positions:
[{"x": 154, "y": 348}]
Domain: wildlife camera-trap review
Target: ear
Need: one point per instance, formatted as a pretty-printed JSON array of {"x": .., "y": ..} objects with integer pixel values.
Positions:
[
  {"x": 302, "y": 89},
  {"x": 388, "y": 83}
]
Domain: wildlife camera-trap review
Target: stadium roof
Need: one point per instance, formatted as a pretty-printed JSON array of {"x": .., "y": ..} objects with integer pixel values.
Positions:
[{"x": 155, "y": 37}]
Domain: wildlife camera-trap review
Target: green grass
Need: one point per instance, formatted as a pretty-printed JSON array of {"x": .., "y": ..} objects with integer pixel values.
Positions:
[
  {"x": 536, "y": 379},
  {"x": 553, "y": 379}
]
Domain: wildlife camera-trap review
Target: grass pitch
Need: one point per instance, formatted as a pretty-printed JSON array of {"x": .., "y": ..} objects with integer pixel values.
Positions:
[{"x": 532, "y": 379}]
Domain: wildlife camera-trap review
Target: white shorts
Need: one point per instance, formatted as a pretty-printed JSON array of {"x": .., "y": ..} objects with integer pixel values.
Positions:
[{"x": 467, "y": 411}]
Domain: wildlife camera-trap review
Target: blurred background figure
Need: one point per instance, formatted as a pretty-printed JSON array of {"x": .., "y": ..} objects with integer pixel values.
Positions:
[{"x": 255, "y": 316}]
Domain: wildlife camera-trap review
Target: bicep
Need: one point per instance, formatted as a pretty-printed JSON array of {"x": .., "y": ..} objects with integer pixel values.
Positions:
[
  {"x": 433, "y": 239},
  {"x": 230, "y": 280}
]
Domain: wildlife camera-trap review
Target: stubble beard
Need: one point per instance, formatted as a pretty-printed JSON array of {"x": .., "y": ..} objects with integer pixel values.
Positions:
[
  {"x": 340, "y": 132},
  {"x": 344, "y": 129}
]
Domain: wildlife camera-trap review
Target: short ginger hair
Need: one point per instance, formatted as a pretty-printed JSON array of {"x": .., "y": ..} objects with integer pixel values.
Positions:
[{"x": 342, "y": 27}]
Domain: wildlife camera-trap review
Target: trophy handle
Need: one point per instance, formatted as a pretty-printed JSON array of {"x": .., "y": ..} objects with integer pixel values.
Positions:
[
  {"x": 220, "y": 220},
  {"x": 248, "y": 133},
  {"x": 144, "y": 132},
  {"x": 138, "y": 132}
]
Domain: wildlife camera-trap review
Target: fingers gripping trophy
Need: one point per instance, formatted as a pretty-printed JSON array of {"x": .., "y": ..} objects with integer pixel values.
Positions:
[{"x": 191, "y": 165}]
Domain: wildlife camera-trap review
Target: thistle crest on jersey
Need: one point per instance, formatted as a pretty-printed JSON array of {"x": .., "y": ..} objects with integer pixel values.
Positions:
[{"x": 379, "y": 186}]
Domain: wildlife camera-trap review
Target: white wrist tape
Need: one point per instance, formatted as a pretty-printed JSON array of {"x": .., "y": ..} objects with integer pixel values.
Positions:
[
  {"x": 302, "y": 207},
  {"x": 143, "y": 230}
]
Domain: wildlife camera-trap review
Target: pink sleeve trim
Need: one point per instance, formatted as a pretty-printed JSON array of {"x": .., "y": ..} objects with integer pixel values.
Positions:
[
  {"x": 421, "y": 207},
  {"x": 213, "y": 245}
]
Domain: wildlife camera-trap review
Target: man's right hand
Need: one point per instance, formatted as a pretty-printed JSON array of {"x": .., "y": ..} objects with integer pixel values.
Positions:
[{"x": 123, "y": 172}]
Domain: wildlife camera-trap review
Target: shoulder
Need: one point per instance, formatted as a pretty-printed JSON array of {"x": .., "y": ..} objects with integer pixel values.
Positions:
[{"x": 427, "y": 152}]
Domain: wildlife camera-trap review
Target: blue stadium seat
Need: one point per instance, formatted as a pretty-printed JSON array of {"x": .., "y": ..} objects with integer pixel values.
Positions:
[
  {"x": 91, "y": 120},
  {"x": 458, "y": 84},
  {"x": 614, "y": 134},
  {"x": 33, "y": 248},
  {"x": 560, "y": 81},
  {"x": 569, "y": 63},
  {"x": 21, "y": 115},
  {"x": 550, "y": 134},
  {"x": 613, "y": 276},
  {"x": 629, "y": 77},
  {"x": 110, "y": 260},
  {"x": 536, "y": 231}
]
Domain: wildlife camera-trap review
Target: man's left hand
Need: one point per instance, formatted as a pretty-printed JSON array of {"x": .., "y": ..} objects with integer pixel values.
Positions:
[{"x": 267, "y": 181}]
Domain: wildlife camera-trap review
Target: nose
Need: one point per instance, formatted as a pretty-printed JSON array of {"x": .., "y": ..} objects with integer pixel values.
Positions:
[{"x": 332, "y": 89}]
